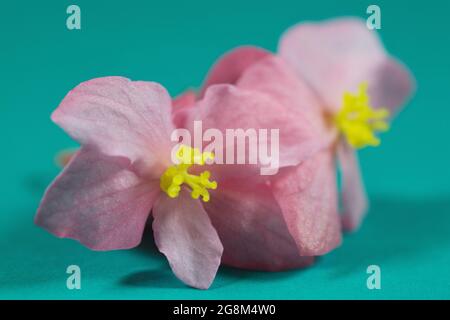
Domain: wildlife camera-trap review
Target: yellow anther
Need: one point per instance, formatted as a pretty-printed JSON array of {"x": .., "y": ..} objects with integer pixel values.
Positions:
[
  {"x": 189, "y": 156},
  {"x": 176, "y": 175},
  {"x": 358, "y": 121}
]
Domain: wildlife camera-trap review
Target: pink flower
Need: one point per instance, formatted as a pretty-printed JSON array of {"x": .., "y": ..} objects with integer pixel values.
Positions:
[
  {"x": 304, "y": 192},
  {"x": 123, "y": 171},
  {"x": 359, "y": 85},
  {"x": 104, "y": 195},
  {"x": 300, "y": 217},
  {"x": 251, "y": 88}
]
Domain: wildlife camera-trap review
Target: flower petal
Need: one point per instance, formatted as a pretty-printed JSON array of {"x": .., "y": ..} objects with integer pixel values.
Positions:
[
  {"x": 180, "y": 104},
  {"x": 98, "y": 201},
  {"x": 354, "y": 198},
  {"x": 186, "y": 99},
  {"x": 307, "y": 195},
  {"x": 184, "y": 234},
  {"x": 273, "y": 76},
  {"x": 231, "y": 65},
  {"x": 337, "y": 55},
  {"x": 252, "y": 228},
  {"x": 119, "y": 117},
  {"x": 391, "y": 85},
  {"x": 228, "y": 107}
]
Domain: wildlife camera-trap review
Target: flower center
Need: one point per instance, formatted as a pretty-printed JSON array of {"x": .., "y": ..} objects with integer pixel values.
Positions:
[
  {"x": 174, "y": 176},
  {"x": 358, "y": 121}
]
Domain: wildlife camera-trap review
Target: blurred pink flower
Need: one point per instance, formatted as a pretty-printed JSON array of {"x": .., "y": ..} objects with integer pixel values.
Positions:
[{"x": 337, "y": 59}]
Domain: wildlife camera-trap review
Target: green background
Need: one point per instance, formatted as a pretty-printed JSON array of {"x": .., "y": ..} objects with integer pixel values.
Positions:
[{"x": 407, "y": 232}]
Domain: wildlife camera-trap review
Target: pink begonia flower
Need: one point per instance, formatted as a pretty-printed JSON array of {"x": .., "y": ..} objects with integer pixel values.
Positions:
[
  {"x": 267, "y": 236},
  {"x": 123, "y": 171},
  {"x": 103, "y": 197},
  {"x": 304, "y": 193},
  {"x": 359, "y": 86},
  {"x": 105, "y": 194}
]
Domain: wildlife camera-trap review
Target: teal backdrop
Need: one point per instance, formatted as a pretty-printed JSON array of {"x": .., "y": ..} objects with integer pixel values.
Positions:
[{"x": 407, "y": 231}]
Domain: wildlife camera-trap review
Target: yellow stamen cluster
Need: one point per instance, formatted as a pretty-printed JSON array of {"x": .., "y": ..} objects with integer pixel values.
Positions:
[
  {"x": 359, "y": 122},
  {"x": 176, "y": 175}
]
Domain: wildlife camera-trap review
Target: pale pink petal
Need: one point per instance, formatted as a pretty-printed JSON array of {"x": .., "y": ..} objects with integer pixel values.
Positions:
[
  {"x": 180, "y": 105},
  {"x": 337, "y": 55},
  {"x": 228, "y": 107},
  {"x": 391, "y": 85},
  {"x": 186, "y": 99},
  {"x": 354, "y": 198},
  {"x": 307, "y": 195},
  {"x": 231, "y": 65},
  {"x": 120, "y": 118},
  {"x": 98, "y": 201},
  {"x": 273, "y": 76},
  {"x": 252, "y": 229},
  {"x": 232, "y": 172},
  {"x": 184, "y": 234}
]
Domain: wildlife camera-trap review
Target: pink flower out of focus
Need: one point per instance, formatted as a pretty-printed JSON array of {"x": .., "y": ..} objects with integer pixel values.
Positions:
[{"x": 345, "y": 64}]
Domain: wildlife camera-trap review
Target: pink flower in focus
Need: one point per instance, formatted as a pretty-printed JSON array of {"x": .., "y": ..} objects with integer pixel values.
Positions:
[
  {"x": 104, "y": 196},
  {"x": 123, "y": 171},
  {"x": 359, "y": 86}
]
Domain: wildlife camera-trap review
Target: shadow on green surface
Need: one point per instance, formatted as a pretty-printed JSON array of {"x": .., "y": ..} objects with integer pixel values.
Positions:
[
  {"x": 163, "y": 276},
  {"x": 396, "y": 231},
  {"x": 36, "y": 183}
]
